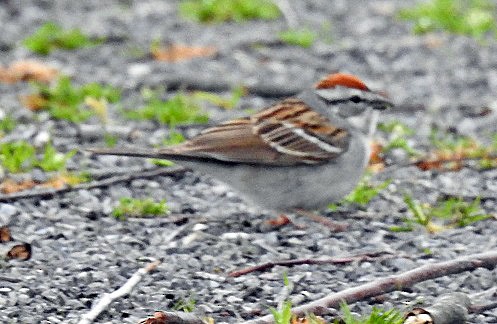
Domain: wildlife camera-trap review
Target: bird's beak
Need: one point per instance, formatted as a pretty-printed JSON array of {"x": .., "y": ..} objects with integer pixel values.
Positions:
[
  {"x": 382, "y": 102},
  {"x": 382, "y": 105}
]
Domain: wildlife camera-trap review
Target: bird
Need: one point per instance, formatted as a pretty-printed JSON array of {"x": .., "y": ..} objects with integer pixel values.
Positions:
[{"x": 302, "y": 152}]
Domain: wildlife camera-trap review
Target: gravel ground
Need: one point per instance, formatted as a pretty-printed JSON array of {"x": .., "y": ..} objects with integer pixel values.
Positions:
[{"x": 80, "y": 252}]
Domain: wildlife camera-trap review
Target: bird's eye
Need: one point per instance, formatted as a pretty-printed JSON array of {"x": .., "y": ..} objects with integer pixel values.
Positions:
[{"x": 355, "y": 99}]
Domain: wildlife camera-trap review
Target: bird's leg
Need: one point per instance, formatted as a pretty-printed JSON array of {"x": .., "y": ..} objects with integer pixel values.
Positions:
[
  {"x": 284, "y": 219},
  {"x": 334, "y": 226}
]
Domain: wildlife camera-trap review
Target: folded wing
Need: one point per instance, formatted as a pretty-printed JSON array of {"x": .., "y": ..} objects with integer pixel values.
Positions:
[{"x": 287, "y": 133}]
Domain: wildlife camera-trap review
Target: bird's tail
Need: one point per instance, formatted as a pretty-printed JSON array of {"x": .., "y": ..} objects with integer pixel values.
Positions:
[
  {"x": 163, "y": 153},
  {"x": 132, "y": 152}
]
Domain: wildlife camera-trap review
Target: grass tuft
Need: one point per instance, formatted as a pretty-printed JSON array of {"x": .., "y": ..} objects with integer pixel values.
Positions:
[
  {"x": 377, "y": 316},
  {"x": 51, "y": 36},
  {"x": 185, "y": 305},
  {"x": 236, "y": 94},
  {"x": 283, "y": 315},
  {"x": 467, "y": 17},
  {"x": 130, "y": 207},
  {"x": 298, "y": 37},
  {"x": 173, "y": 138},
  {"x": 21, "y": 157},
  {"x": 362, "y": 194},
  {"x": 450, "y": 146},
  {"x": 450, "y": 213},
  {"x": 52, "y": 160},
  {"x": 216, "y": 11},
  {"x": 7, "y": 124},
  {"x": 398, "y": 134},
  {"x": 66, "y": 101},
  {"x": 179, "y": 110}
]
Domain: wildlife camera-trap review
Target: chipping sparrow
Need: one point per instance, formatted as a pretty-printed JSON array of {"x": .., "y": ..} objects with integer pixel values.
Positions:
[{"x": 302, "y": 152}]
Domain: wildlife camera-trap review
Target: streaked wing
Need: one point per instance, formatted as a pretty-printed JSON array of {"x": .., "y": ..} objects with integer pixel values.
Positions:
[
  {"x": 232, "y": 141},
  {"x": 287, "y": 133},
  {"x": 292, "y": 128}
]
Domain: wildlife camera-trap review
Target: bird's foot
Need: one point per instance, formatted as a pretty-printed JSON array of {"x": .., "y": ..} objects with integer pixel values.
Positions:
[
  {"x": 334, "y": 226},
  {"x": 283, "y": 220}
]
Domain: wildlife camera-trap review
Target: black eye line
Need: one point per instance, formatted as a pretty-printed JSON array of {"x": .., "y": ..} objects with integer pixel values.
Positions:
[{"x": 354, "y": 100}]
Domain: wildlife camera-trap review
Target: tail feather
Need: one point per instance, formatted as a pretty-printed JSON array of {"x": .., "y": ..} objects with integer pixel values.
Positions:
[
  {"x": 168, "y": 154},
  {"x": 131, "y": 152}
]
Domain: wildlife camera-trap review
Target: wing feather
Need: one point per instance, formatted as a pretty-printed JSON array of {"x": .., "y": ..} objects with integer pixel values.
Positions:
[
  {"x": 292, "y": 128},
  {"x": 287, "y": 133}
]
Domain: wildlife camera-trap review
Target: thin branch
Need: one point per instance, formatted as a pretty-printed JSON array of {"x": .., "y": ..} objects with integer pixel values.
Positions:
[
  {"x": 483, "y": 295},
  {"x": 113, "y": 171},
  {"x": 173, "y": 318},
  {"x": 294, "y": 262},
  {"x": 392, "y": 283},
  {"x": 430, "y": 163},
  {"x": 482, "y": 308},
  {"x": 438, "y": 163},
  {"x": 107, "y": 299},
  {"x": 482, "y": 195},
  {"x": 47, "y": 193}
]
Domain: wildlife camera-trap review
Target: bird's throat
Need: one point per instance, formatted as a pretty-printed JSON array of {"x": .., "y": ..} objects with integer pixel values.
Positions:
[{"x": 365, "y": 122}]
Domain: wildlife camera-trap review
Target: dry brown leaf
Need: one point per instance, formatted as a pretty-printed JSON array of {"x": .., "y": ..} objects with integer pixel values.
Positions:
[
  {"x": 433, "y": 41},
  {"x": 375, "y": 156},
  {"x": 61, "y": 181},
  {"x": 5, "y": 235},
  {"x": 429, "y": 165},
  {"x": 20, "y": 252},
  {"x": 376, "y": 161},
  {"x": 176, "y": 52},
  {"x": 28, "y": 71},
  {"x": 10, "y": 186},
  {"x": 441, "y": 165},
  {"x": 99, "y": 106},
  {"x": 376, "y": 168},
  {"x": 176, "y": 317},
  {"x": 55, "y": 183},
  {"x": 281, "y": 220},
  {"x": 159, "y": 318},
  {"x": 33, "y": 102},
  {"x": 58, "y": 182}
]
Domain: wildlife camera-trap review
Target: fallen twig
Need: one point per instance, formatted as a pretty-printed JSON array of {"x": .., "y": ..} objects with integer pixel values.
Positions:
[
  {"x": 482, "y": 195},
  {"x": 483, "y": 295},
  {"x": 125, "y": 289},
  {"x": 46, "y": 193},
  {"x": 482, "y": 308},
  {"x": 430, "y": 163},
  {"x": 439, "y": 163},
  {"x": 294, "y": 262},
  {"x": 173, "y": 318},
  {"x": 396, "y": 282},
  {"x": 113, "y": 171}
]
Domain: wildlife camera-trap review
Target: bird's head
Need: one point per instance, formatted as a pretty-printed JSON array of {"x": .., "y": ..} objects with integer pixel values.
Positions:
[{"x": 349, "y": 97}]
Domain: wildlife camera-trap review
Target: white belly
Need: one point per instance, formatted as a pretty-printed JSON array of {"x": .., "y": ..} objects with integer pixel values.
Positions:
[{"x": 307, "y": 186}]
